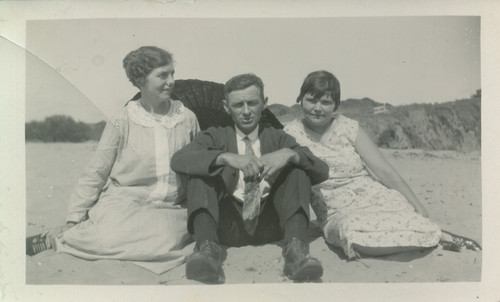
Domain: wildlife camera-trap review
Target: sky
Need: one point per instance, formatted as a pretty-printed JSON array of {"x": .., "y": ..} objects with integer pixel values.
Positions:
[{"x": 75, "y": 66}]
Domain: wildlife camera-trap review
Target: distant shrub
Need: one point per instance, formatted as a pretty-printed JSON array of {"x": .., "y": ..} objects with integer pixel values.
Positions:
[
  {"x": 386, "y": 137},
  {"x": 444, "y": 121},
  {"x": 62, "y": 128}
]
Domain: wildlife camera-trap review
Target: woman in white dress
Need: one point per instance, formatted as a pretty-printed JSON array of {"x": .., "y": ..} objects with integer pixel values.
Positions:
[
  {"x": 365, "y": 207},
  {"x": 129, "y": 204}
]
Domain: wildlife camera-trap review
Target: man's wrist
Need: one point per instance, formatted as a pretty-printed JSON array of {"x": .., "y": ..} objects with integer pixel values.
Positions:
[
  {"x": 221, "y": 159},
  {"x": 294, "y": 158}
]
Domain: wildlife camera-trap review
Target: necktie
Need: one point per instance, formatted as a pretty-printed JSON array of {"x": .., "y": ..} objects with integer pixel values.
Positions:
[{"x": 251, "y": 197}]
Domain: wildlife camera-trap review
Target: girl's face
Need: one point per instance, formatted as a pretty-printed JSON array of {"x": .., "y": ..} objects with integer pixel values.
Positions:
[{"x": 318, "y": 113}]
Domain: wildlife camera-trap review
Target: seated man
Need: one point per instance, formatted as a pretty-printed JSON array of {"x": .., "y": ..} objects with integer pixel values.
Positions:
[{"x": 248, "y": 186}]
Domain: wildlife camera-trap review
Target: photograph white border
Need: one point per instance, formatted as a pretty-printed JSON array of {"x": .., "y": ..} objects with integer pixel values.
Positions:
[{"x": 13, "y": 17}]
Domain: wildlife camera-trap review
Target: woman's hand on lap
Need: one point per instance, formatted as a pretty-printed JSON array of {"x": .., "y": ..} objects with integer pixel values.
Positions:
[{"x": 51, "y": 234}]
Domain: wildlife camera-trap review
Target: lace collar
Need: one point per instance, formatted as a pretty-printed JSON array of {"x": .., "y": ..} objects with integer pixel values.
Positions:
[{"x": 140, "y": 116}]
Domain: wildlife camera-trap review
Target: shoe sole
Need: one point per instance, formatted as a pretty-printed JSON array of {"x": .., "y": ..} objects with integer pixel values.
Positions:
[
  {"x": 310, "y": 270},
  {"x": 35, "y": 244},
  {"x": 200, "y": 269}
]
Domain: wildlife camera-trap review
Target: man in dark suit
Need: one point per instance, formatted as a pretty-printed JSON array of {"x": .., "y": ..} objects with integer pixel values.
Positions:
[{"x": 248, "y": 186}]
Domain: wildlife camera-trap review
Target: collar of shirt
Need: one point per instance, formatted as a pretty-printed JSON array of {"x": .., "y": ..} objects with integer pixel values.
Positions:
[{"x": 252, "y": 135}]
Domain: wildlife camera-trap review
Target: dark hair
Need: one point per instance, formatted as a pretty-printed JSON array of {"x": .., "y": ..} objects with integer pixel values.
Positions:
[
  {"x": 139, "y": 63},
  {"x": 243, "y": 81},
  {"x": 318, "y": 83}
]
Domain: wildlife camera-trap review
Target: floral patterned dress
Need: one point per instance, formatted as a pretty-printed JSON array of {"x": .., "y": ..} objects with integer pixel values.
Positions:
[
  {"x": 351, "y": 206},
  {"x": 129, "y": 203}
]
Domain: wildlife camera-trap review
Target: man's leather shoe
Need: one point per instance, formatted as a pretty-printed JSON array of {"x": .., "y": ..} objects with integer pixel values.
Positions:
[
  {"x": 298, "y": 265},
  {"x": 205, "y": 265}
]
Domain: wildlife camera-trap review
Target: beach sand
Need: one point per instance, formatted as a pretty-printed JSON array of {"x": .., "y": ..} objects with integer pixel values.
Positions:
[{"x": 448, "y": 184}]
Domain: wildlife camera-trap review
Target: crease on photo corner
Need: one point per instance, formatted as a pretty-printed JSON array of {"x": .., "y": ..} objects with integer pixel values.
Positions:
[
  {"x": 89, "y": 102},
  {"x": 32, "y": 54}
]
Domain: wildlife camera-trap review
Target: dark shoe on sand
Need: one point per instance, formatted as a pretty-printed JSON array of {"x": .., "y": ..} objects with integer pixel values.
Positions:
[
  {"x": 36, "y": 244},
  {"x": 298, "y": 265},
  {"x": 450, "y": 246},
  {"x": 464, "y": 241},
  {"x": 205, "y": 264}
]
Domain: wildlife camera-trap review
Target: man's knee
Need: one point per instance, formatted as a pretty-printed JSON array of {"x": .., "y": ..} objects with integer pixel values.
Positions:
[
  {"x": 203, "y": 194},
  {"x": 292, "y": 183},
  {"x": 201, "y": 182},
  {"x": 203, "y": 189},
  {"x": 293, "y": 176}
]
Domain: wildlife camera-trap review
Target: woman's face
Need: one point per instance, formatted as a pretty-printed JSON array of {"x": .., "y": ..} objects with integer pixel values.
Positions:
[
  {"x": 318, "y": 112},
  {"x": 159, "y": 83}
]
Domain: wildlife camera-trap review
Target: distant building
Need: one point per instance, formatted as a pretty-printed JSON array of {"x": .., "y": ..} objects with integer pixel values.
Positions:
[{"x": 379, "y": 109}]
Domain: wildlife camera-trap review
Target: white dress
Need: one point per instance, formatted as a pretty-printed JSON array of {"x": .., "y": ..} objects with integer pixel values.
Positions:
[
  {"x": 351, "y": 206},
  {"x": 129, "y": 204}
]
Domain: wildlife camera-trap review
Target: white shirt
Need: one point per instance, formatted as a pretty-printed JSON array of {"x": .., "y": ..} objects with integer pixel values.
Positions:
[{"x": 255, "y": 142}]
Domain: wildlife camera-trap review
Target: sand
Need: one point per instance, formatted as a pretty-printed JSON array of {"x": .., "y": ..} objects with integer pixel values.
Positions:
[{"x": 447, "y": 183}]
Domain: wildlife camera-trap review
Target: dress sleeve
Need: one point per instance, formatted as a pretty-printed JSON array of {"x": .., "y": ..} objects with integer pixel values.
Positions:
[
  {"x": 93, "y": 180},
  {"x": 194, "y": 127}
]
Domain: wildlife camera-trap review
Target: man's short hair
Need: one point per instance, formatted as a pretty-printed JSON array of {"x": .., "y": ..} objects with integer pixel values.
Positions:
[{"x": 243, "y": 81}]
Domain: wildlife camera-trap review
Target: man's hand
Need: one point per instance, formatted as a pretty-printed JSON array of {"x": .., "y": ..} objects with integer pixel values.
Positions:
[
  {"x": 275, "y": 161},
  {"x": 250, "y": 165}
]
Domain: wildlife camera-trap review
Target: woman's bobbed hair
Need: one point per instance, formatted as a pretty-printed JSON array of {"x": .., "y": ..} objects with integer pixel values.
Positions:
[
  {"x": 139, "y": 63},
  {"x": 319, "y": 83}
]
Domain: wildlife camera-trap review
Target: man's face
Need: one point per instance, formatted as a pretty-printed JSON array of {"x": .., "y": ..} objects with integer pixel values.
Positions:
[{"x": 245, "y": 107}]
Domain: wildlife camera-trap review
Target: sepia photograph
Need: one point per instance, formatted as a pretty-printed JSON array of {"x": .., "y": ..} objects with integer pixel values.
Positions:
[{"x": 287, "y": 156}]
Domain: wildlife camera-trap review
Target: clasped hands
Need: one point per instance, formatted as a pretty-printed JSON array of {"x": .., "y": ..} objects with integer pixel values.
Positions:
[{"x": 259, "y": 168}]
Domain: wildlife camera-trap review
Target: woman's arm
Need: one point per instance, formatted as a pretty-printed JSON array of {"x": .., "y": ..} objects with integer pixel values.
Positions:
[
  {"x": 377, "y": 163},
  {"x": 91, "y": 183},
  {"x": 194, "y": 126}
]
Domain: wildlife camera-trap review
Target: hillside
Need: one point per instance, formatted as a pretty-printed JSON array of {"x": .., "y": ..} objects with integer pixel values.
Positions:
[
  {"x": 444, "y": 126},
  {"x": 62, "y": 128}
]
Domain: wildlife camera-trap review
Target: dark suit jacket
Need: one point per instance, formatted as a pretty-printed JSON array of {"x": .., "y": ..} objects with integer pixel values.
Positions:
[{"x": 196, "y": 158}]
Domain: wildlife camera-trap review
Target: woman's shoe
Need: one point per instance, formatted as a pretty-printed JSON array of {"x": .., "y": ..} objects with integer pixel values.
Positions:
[
  {"x": 464, "y": 241},
  {"x": 450, "y": 246},
  {"x": 36, "y": 244}
]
